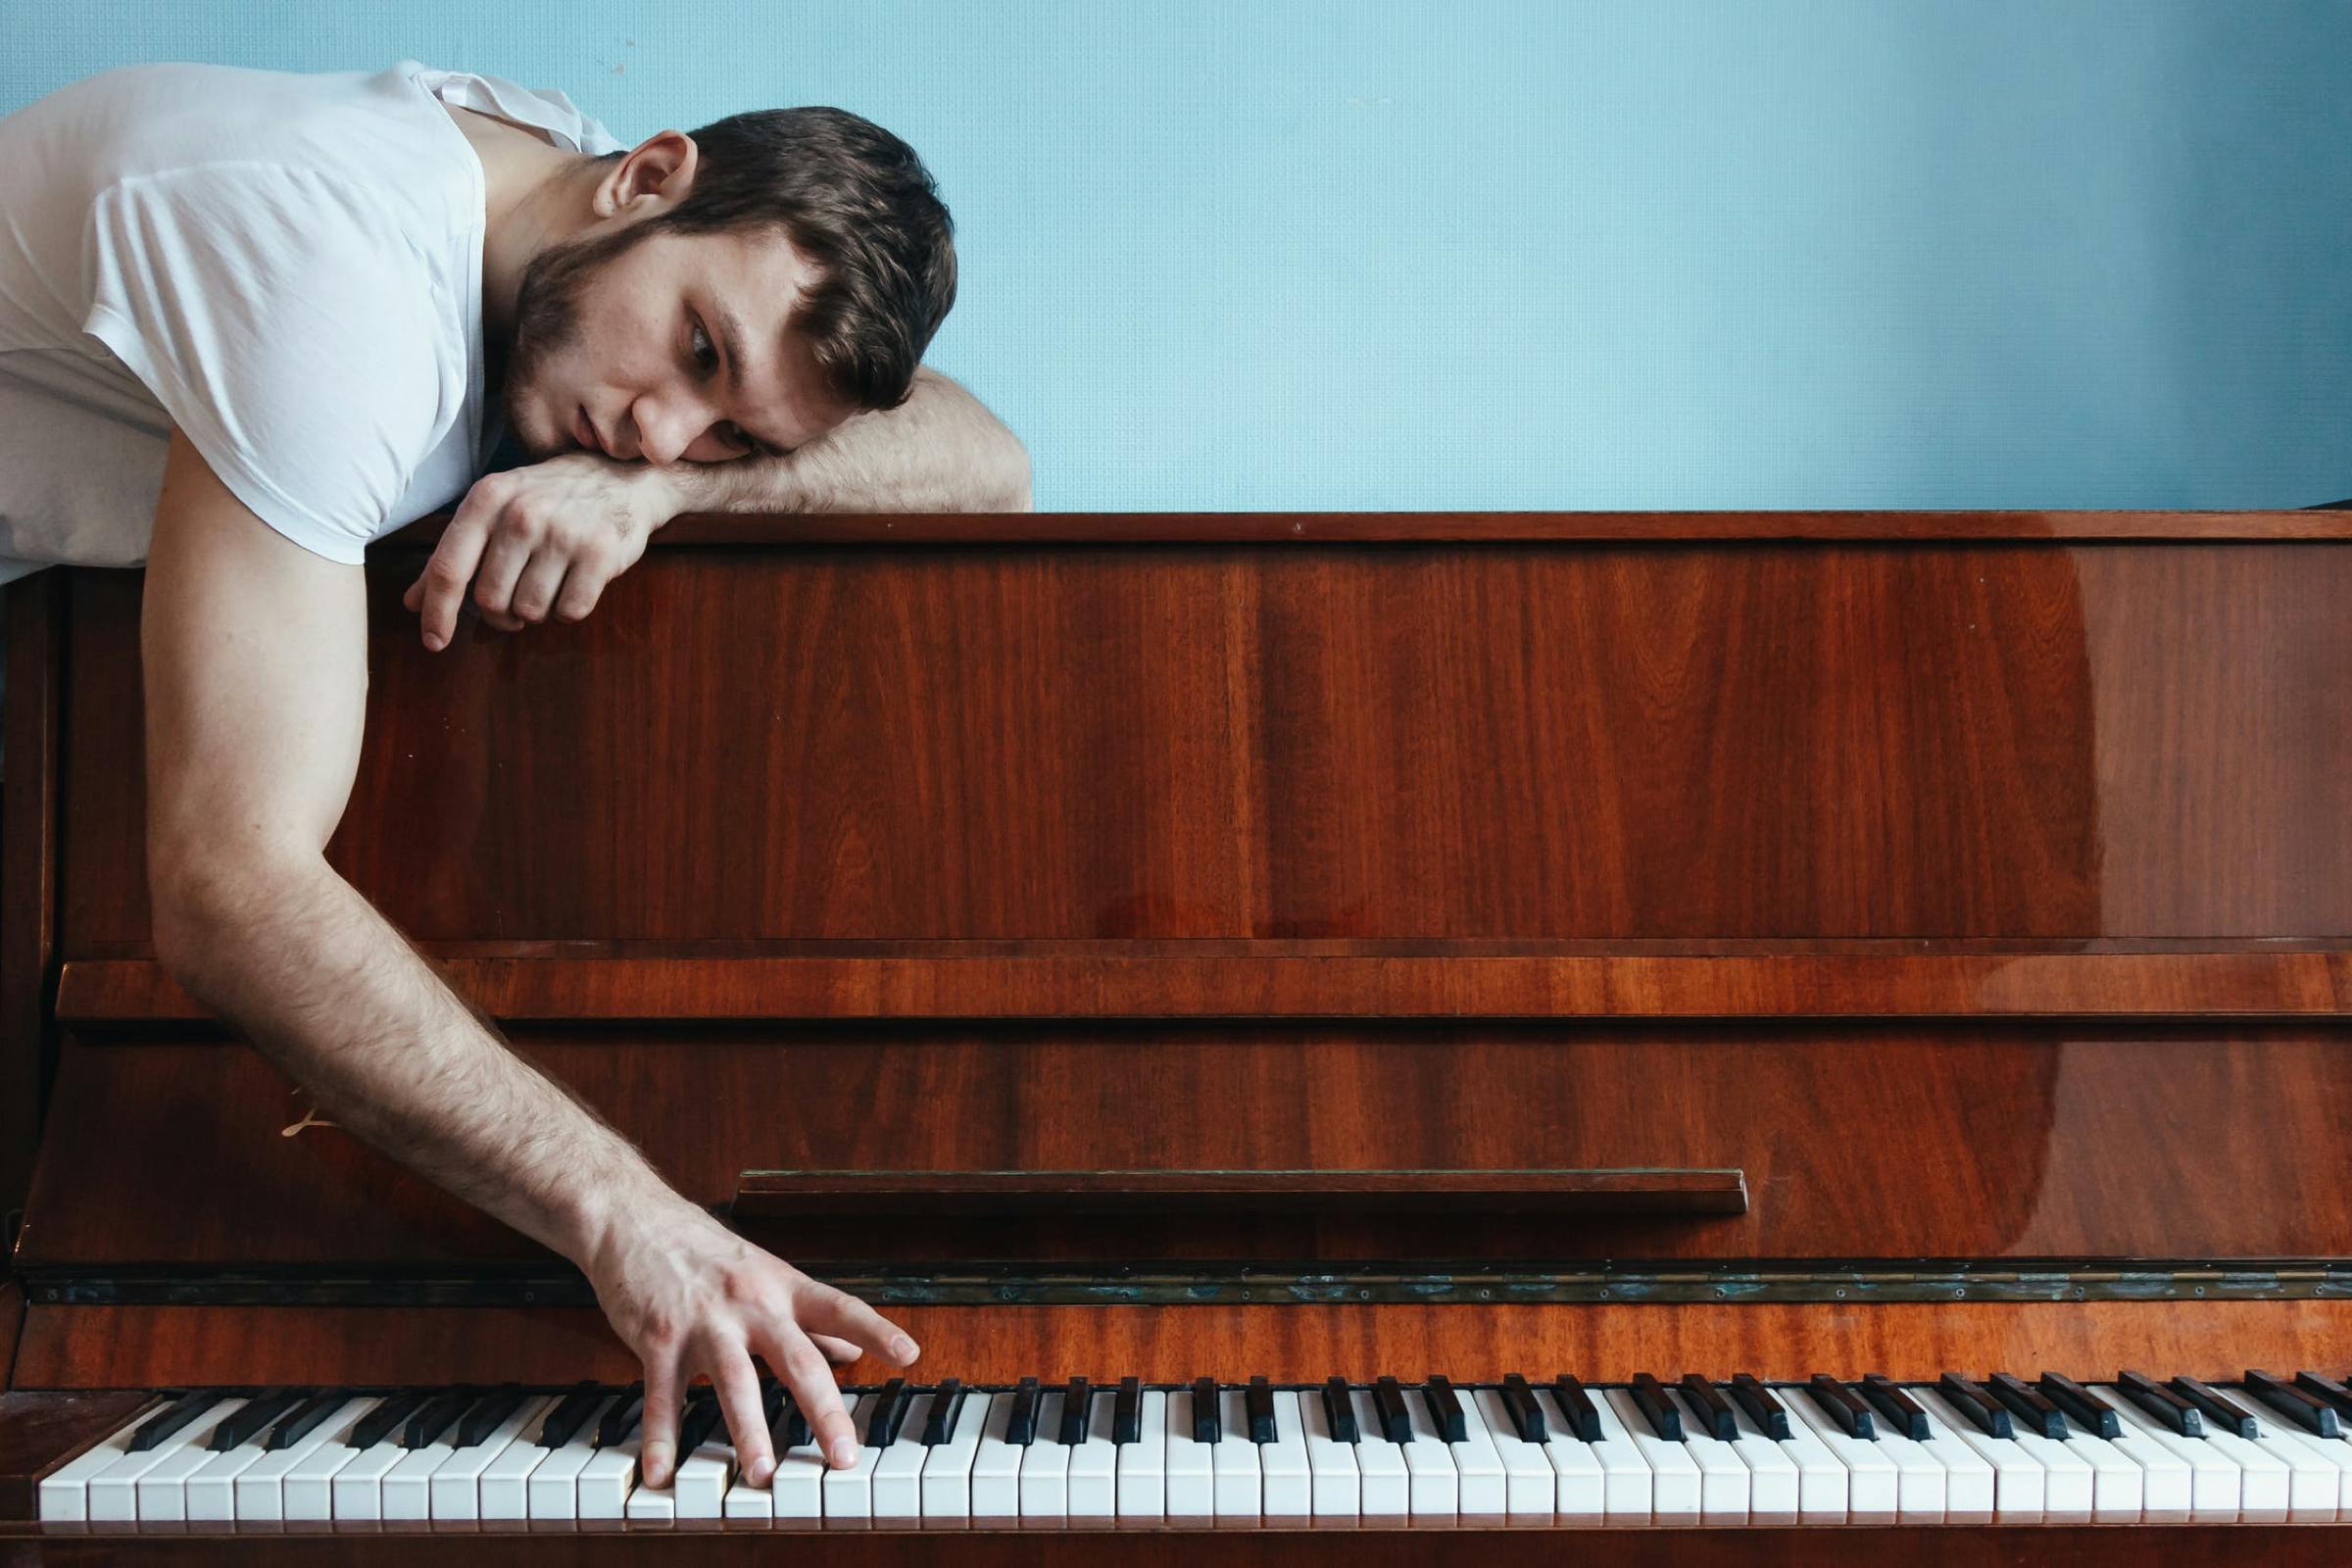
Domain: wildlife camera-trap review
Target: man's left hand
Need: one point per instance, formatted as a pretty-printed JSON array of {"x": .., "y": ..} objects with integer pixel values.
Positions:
[{"x": 541, "y": 539}]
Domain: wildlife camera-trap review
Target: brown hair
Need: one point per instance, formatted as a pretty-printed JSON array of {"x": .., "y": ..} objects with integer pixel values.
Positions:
[{"x": 858, "y": 204}]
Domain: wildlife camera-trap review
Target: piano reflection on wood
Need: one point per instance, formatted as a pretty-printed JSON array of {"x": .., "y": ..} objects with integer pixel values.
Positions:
[{"x": 1415, "y": 1024}]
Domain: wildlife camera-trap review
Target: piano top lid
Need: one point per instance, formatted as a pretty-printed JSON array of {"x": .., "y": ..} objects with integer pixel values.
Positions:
[{"x": 1396, "y": 528}]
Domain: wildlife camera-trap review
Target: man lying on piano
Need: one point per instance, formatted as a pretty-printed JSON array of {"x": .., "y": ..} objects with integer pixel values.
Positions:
[{"x": 250, "y": 321}]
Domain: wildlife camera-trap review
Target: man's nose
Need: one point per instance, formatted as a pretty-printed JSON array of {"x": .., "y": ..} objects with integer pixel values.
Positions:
[{"x": 664, "y": 430}]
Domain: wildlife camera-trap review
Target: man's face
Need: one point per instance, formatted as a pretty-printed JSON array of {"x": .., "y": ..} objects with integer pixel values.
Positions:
[{"x": 620, "y": 346}]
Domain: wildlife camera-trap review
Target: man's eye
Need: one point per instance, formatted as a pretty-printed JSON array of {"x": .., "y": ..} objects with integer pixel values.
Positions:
[{"x": 703, "y": 341}]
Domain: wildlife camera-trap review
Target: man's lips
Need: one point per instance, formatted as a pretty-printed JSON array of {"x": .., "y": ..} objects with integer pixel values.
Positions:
[{"x": 585, "y": 433}]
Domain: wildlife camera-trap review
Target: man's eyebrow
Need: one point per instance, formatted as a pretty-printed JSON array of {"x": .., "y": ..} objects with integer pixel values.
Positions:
[{"x": 730, "y": 338}]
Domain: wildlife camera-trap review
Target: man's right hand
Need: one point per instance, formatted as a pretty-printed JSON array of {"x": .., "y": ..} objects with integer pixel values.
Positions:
[{"x": 690, "y": 1296}]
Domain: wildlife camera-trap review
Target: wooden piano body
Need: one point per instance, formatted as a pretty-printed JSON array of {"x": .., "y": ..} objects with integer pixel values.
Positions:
[{"x": 1846, "y": 942}]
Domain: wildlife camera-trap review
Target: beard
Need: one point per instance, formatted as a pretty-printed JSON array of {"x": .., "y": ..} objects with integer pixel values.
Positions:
[{"x": 546, "y": 322}]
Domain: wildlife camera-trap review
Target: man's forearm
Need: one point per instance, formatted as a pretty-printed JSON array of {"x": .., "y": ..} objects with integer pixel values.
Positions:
[
  {"x": 939, "y": 451},
  {"x": 305, "y": 968}
]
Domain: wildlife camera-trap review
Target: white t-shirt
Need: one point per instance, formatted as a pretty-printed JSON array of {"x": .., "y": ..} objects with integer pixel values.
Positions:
[{"x": 287, "y": 266}]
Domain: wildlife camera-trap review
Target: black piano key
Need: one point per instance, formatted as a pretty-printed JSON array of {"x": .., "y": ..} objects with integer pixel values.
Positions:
[
  {"x": 1649, "y": 1398},
  {"x": 2082, "y": 1404},
  {"x": 1446, "y": 1409},
  {"x": 2217, "y": 1408},
  {"x": 621, "y": 1418},
  {"x": 795, "y": 1433},
  {"x": 485, "y": 1418},
  {"x": 1576, "y": 1408},
  {"x": 304, "y": 1419},
  {"x": 380, "y": 1423},
  {"x": 1338, "y": 1412},
  {"x": 2027, "y": 1404},
  {"x": 1395, "y": 1423},
  {"x": 1077, "y": 1408},
  {"x": 883, "y": 1421},
  {"x": 699, "y": 1422},
  {"x": 2327, "y": 1388},
  {"x": 1209, "y": 1419},
  {"x": 436, "y": 1416},
  {"x": 572, "y": 1413},
  {"x": 1714, "y": 1410},
  {"x": 1896, "y": 1406},
  {"x": 2305, "y": 1409},
  {"x": 236, "y": 1431},
  {"x": 1020, "y": 1421},
  {"x": 171, "y": 1419},
  {"x": 1762, "y": 1405},
  {"x": 1519, "y": 1403},
  {"x": 1257, "y": 1404},
  {"x": 1127, "y": 1412},
  {"x": 2172, "y": 1411},
  {"x": 947, "y": 1408},
  {"x": 1968, "y": 1396},
  {"x": 1852, "y": 1416}
]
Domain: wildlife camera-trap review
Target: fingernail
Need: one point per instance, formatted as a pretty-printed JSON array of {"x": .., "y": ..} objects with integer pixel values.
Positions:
[
  {"x": 433, "y": 640},
  {"x": 657, "y": 1464},
  {"x": 762, "y": 1470},
  {"x": 902, "y": 1349},
  {"x": 844, "y": 1452}
]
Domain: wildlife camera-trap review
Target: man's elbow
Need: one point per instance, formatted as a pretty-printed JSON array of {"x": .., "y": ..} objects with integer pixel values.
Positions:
[{"x": 205, "y": 904}]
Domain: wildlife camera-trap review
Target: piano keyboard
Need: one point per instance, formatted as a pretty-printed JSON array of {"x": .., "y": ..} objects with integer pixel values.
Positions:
[{"x": 2004, "y": 1449}]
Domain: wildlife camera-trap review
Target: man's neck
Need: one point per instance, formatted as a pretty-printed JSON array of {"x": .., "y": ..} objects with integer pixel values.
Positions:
[{"x": 521, "y": 179}]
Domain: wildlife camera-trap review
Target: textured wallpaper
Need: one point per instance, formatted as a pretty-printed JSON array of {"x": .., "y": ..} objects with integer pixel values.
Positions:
[{"x": 1268, "y": 255}]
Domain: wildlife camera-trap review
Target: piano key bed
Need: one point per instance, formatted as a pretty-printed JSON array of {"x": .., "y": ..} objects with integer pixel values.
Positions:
[{"x": 1430, "y": 1453}]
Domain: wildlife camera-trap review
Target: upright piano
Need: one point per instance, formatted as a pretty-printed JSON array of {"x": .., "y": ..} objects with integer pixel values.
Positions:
[{"x": 1347, "y": 1037}]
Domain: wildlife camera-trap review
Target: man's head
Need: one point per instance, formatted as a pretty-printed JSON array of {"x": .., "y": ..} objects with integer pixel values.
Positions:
[{"x": 816, "y": 235}]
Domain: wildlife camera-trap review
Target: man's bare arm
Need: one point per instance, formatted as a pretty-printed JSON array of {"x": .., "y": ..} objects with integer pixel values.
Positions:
[
  {"x": 255, "y": 655},
  {"x": 939, "y": 451}
]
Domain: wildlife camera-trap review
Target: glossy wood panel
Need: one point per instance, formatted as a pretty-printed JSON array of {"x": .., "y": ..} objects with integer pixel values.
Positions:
[
  {"x": 1324, "y": 980},
  {"x": 1346, "y": 740},
  {"x": 133, "y": 1347},
  {"x": 1858, "y": 1140}
]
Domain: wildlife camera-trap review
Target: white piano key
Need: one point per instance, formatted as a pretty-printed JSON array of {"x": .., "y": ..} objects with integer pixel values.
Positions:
[
  {"x": 899, "y": 1472},
  {"x": 457, "y": 1486},
  {"x": 64, "y": 1495},
  {"x": 2264, "y": 1481},
  {"x": 1289, "y": 1489},
  {"x": 2068, "y": 1488},
  {"x": 211, "y": 1491},
  {"x": 650, "y": 1504},
  {"x": 1971, "y": 1485},
  {"x": 2164, "y": 1476},
  {"x": 161, "y": 1488},
  {"x": 2335, "y": 1452},
  {"x": 996, "y": 1466},
  {"x": 1234, "y": 1461},
  {"x": 1384, "y": 1478},
  {"x": 553, "y": 1490},
  {"x": 1581, "y": 1486},
  {"x": 1873, "y": 1485},
  {"x": 1921, "y": 1481},
  {"x": 1429, "y": 1460},
  {"x": 1094, "y": 1479},
  {"x": 849, "y": 1491},
  {"x": 1338, "y": 1487},
  {"x": 2118, "y": 1484},
  {"x": 607, "y": 1481},
  {"x": 1530, "y": 1485},
  {"x": 1673, "y": 1473},
  {"x": 2214, "y": 1480},
  {"x": 1776, "y": 1485},
  {"x": 407, "y": 1485},
  {"x": 1481, "y": 1488},
  {"x": 357, "y": 1489},
  {"x": 2313, "y": 1482},
  {"x": 2018, "y": 1488},
  {"x": 1191, "y": 1468},
  {"x": 1046, "y": 1467},
  {"x": 1823, "y": 1482},
  {"x": 263, "y": 1487},
  {"x": 307, "y": 1495},
  {"x": 503, "y": 1489},
  {"x": 1143, "y": 1486},
  {"x": 948, "y": 1471},
  {"x": 1723, "y": 1474},
  {"x": 796, "y": 1488},
  {"x": 702, "y": 1478}
]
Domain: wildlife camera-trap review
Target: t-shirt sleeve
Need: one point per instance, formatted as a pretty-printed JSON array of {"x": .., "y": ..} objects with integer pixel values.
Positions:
[{"x": 285, "y": 327}]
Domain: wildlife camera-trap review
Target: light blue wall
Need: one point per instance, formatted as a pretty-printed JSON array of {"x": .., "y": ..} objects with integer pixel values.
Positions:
[{"x": 1268, "y": 255}]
